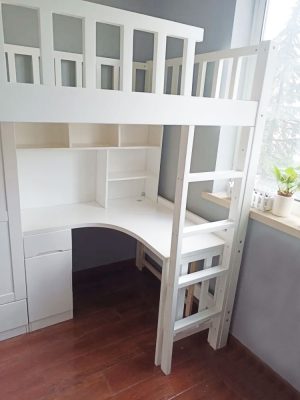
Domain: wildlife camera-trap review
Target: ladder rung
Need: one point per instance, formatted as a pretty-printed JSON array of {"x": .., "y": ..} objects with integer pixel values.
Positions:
[
  {"x": 195, "y": 319},
  {"x": 212, "y": 176},
  {"x": 208, "y": 227},
  {"x": 200, "y": 276}
]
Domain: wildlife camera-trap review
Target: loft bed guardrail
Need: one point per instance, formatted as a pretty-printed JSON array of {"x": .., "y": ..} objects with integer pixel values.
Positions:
[
  {"x": 128, "y": 22},
  {"x": 209, "y": 83},
  {"x": 226, "y": 72}
]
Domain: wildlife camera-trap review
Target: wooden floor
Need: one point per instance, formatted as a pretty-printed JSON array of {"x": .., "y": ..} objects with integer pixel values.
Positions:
[{"x": 107, "y": 352}]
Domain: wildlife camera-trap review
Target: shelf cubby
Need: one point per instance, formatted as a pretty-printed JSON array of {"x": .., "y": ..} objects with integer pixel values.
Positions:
[
  {"x": 140, "y": 135},
  {"x": 41, "y": 135},
  {"x": 93, "y": 135}
]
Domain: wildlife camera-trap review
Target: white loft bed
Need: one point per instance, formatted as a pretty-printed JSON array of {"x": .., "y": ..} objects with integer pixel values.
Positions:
[{"x": 171, "y": 235}]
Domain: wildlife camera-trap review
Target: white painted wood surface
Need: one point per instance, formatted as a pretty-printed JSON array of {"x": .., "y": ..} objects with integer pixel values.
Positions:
[
  {"x": 13, "y": 211},
  {"x": 27, "y": 103},
  {"x": 49, "y": 285},
  {"x": 13, "y": 319},
  {"x": 140, "y": 218},
  {"x": 45, "y": 243}
]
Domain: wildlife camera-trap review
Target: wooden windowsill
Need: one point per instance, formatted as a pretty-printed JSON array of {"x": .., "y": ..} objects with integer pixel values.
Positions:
[{"x": 290, "y": 225}]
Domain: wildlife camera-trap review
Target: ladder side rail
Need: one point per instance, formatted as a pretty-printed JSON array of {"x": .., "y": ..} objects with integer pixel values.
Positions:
[
  {"x": 183, "y": 169},
  {"x": 261, "y": 92}
]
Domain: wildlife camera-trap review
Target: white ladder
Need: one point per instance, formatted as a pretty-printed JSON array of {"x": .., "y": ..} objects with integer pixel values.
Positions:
[{"x": 216, "y": 317}]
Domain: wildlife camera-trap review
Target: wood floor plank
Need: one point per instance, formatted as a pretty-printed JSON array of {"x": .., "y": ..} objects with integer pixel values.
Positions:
[{"x": 107, "y": 353}]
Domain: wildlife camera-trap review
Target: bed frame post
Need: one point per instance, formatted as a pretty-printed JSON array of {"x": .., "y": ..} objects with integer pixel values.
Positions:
[{"x": 161, "y": 311}]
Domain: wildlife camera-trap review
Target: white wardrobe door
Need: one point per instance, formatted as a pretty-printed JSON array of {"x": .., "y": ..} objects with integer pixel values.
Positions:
[
  {"x": 6, "y": 278},
  {"x": 49, "y": 285},
  {"x": 11, "y": 213}
]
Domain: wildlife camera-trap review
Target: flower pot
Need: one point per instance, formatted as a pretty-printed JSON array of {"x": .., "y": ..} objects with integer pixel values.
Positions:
[{"x": 282, "y": 206}]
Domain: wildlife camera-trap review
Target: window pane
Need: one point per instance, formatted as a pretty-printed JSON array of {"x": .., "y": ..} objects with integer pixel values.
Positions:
[{"x": 281, "y": 144}]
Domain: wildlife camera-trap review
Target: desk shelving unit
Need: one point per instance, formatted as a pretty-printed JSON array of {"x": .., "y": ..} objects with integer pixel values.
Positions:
[{"x": 125, "y": 159}]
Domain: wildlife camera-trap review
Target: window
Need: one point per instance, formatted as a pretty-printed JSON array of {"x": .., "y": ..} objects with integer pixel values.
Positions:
[{"x": 281, "y": 143}]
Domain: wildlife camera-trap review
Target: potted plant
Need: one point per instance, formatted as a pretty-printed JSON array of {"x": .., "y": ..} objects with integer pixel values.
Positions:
[{"x": 288, "y": 181}]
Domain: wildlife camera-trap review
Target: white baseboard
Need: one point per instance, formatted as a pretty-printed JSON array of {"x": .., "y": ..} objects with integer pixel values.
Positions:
[
  {"x": 13, "y": 332},
  {"x": 54, "y": 319}
]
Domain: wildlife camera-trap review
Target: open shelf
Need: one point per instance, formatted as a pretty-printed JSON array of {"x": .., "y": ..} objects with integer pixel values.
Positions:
[
  {"x": 93, "y": 135},
  {"x": 127, "y": 176},
  {"x": 140, "y": 135},
  {"x": 41, "y": 135}
]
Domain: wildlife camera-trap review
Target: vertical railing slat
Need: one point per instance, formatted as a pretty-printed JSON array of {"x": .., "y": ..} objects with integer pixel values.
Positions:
[
  {"x": 126, "y": 58},
  {"x": 187, "y": 67},
  {"x": 217, "y": 78},
  {"x": 116, "y": 72},
  {"x": 228, "y": 77},
  {"x": 175, "y": 78},
  {"x": 36, "y": 70},
  {"x": 89, "y": 53},
  {"x": 159, "y": 56},
  {"x": 201, "y": 78},
  {"x": 235, "y": 78},
  {"x": 134, "y": 71},
  {"x": 79, "y": 74},
  {"x": 57, "y": 66},
  {"x": 11, "y": 59},
  {"x": 46, "y": 44}
]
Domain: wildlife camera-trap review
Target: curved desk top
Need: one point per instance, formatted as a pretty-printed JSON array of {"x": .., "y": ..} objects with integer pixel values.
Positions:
[{"x": 148, "y": 222}]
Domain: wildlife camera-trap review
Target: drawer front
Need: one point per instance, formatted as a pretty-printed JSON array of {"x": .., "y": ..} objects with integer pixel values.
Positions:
[
  {"x": 13, "y": 315},
  {"x": 49, "y": 285},
  {"x": 51, "y": 242}
]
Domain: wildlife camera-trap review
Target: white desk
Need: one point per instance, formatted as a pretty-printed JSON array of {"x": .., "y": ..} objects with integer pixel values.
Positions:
[{"x": 148, "y": 222}]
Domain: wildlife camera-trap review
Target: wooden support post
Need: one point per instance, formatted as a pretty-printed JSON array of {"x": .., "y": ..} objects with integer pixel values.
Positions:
[
  {"x": 161, "y": 311},
  {"x": 181, "y": 294},
  {"x": 46, "y": 44},
  {"x": 139, "y": 255},
  {"x": 204, "y": 287},
  {"x": 126, "y": 58},
  {"x": 190, "y": 293},
  {"x": 89, "y": 53},
  {"x": 159, "y": 56}
]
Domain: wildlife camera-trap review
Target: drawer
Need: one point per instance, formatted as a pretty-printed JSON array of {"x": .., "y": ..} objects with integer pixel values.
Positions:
[{"x": 46, "y": 243}]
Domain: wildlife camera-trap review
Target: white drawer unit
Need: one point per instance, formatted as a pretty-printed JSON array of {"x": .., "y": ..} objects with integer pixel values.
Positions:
[
  {"x": 46, "y": 243},
  {"x": 49, "y": 289}
]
